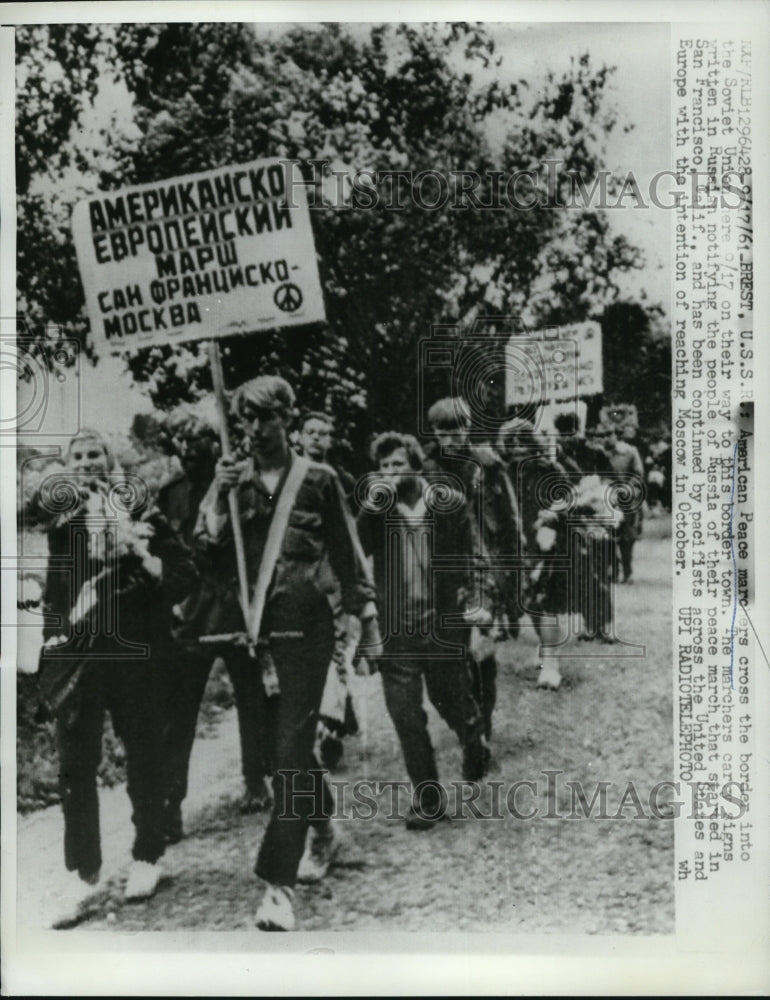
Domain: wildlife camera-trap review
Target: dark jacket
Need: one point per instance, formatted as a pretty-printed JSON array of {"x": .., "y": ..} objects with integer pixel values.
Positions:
[
  {"x": 580, "y": 456},
  {"x": 178, "y": 501},
  {"x": 536, "y": 480},
  {"x": 320, "y": 535},
  {"x": 144, "y": 599},
  {"x": 348, "y": 484},
  {"x": 455, "y": 566},
  {"x": 481, "y": 475},
  {"x": 131, "y": 614}
]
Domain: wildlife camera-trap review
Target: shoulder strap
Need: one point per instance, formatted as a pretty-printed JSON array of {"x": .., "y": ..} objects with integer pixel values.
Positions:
[{"x": 274, "y": 541}]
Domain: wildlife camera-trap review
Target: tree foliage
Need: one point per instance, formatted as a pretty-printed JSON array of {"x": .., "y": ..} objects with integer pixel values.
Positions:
[
  {"x": 637, "y": 362},
  {"x": 381, "y": 98}
]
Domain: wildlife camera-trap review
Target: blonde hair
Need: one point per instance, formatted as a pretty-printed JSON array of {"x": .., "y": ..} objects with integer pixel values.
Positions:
[
  {"x": 270, "y": 392},
  {"x": 89, "y": 434}
]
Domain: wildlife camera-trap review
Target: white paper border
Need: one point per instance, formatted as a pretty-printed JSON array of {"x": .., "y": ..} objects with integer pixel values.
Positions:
[{"x": 57, "y": 963}]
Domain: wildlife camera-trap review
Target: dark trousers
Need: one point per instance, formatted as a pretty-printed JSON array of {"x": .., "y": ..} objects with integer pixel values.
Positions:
[
  {"x": 626, "y": 535},
  {"x": 186, "y": 676},
  {"x": 626, "y": 549},
  {"x": 593, "y": 583},
  {"x": 127, "y": 690},
  {"x": 484, "y": 676},
  {"x": 449, "y": 686},
  {"x": 288, "y": 721}
]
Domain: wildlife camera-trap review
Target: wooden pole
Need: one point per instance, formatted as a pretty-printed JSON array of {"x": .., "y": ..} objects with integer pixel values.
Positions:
[{"x": 215, "y": 359}]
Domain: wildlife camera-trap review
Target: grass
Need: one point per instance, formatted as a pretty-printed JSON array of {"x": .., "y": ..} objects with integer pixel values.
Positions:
[{"x": 37, "y": 759}]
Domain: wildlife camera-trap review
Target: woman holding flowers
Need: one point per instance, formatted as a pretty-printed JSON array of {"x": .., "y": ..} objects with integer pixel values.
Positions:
[{"x": 111, "y": 562}]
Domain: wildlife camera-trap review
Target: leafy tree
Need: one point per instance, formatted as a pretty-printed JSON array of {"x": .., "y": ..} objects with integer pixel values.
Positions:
[
  {"x": 382, "y": 98},
  {"x": 58, "y": 74},
  {"x": 637, "y": 362}
]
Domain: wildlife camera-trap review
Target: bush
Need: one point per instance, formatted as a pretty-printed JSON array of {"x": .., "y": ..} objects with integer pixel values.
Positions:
[{"x": 37, "y": 756}]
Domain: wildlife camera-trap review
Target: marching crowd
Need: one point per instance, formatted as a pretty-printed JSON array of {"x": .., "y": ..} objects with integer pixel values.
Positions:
[{"x": 294, "y": 573}]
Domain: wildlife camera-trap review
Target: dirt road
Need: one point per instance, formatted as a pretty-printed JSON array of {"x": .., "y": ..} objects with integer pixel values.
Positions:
[{"x": 610, "y": 722}]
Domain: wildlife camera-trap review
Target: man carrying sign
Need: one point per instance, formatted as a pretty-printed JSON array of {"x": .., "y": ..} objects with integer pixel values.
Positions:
[{"x": 294, "y": 521}]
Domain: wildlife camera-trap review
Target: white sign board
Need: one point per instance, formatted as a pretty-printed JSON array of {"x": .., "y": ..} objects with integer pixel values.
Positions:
[
  {"x": 199, "y": 257},
  {"x": 554, "y": 365}
]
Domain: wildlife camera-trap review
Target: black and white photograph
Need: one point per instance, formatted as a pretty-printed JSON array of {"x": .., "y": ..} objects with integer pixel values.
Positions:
[{"x": 351, "y": 522}]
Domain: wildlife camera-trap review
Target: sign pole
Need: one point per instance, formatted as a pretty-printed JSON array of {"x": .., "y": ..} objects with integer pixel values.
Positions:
[
  {"x": 118, "y": 292},
  {"x": 215, "y": 360}
]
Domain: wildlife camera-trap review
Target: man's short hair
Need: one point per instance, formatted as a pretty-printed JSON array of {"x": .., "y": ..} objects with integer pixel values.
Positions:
[
  {"x": 317, "y": 415},
  {"x": 522, "y": 430},
  {"x": 183, "y": 423},
  {"x": 89, "y": 434},
  {"x": 390, "y": 441},
  {"x": 268, "y": 392},
  {"x": 567, "y": 423},
  {"x": 449, "y": 414}
]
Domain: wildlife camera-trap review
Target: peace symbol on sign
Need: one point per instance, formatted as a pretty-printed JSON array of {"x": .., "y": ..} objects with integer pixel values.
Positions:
[{"x": 288, "y": 297}]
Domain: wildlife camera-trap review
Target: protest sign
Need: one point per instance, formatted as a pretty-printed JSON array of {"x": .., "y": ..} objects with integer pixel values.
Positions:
[
  {"x": 198, "y": 257},
  {"x": 554, "y": 365}
]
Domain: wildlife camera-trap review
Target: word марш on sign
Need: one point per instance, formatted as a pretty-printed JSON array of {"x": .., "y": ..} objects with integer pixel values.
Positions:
[{"x": 198, "y": 257}]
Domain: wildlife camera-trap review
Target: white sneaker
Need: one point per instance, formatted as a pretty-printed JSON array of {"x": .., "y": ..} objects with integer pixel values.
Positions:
[
  {"x": 276, "y": 912},
  {"x": 549, "y": 676},
  {"x": 69, "y": 900},
  {"x": 321, "y": 845},
  {"x": 142, "y": 881}
]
